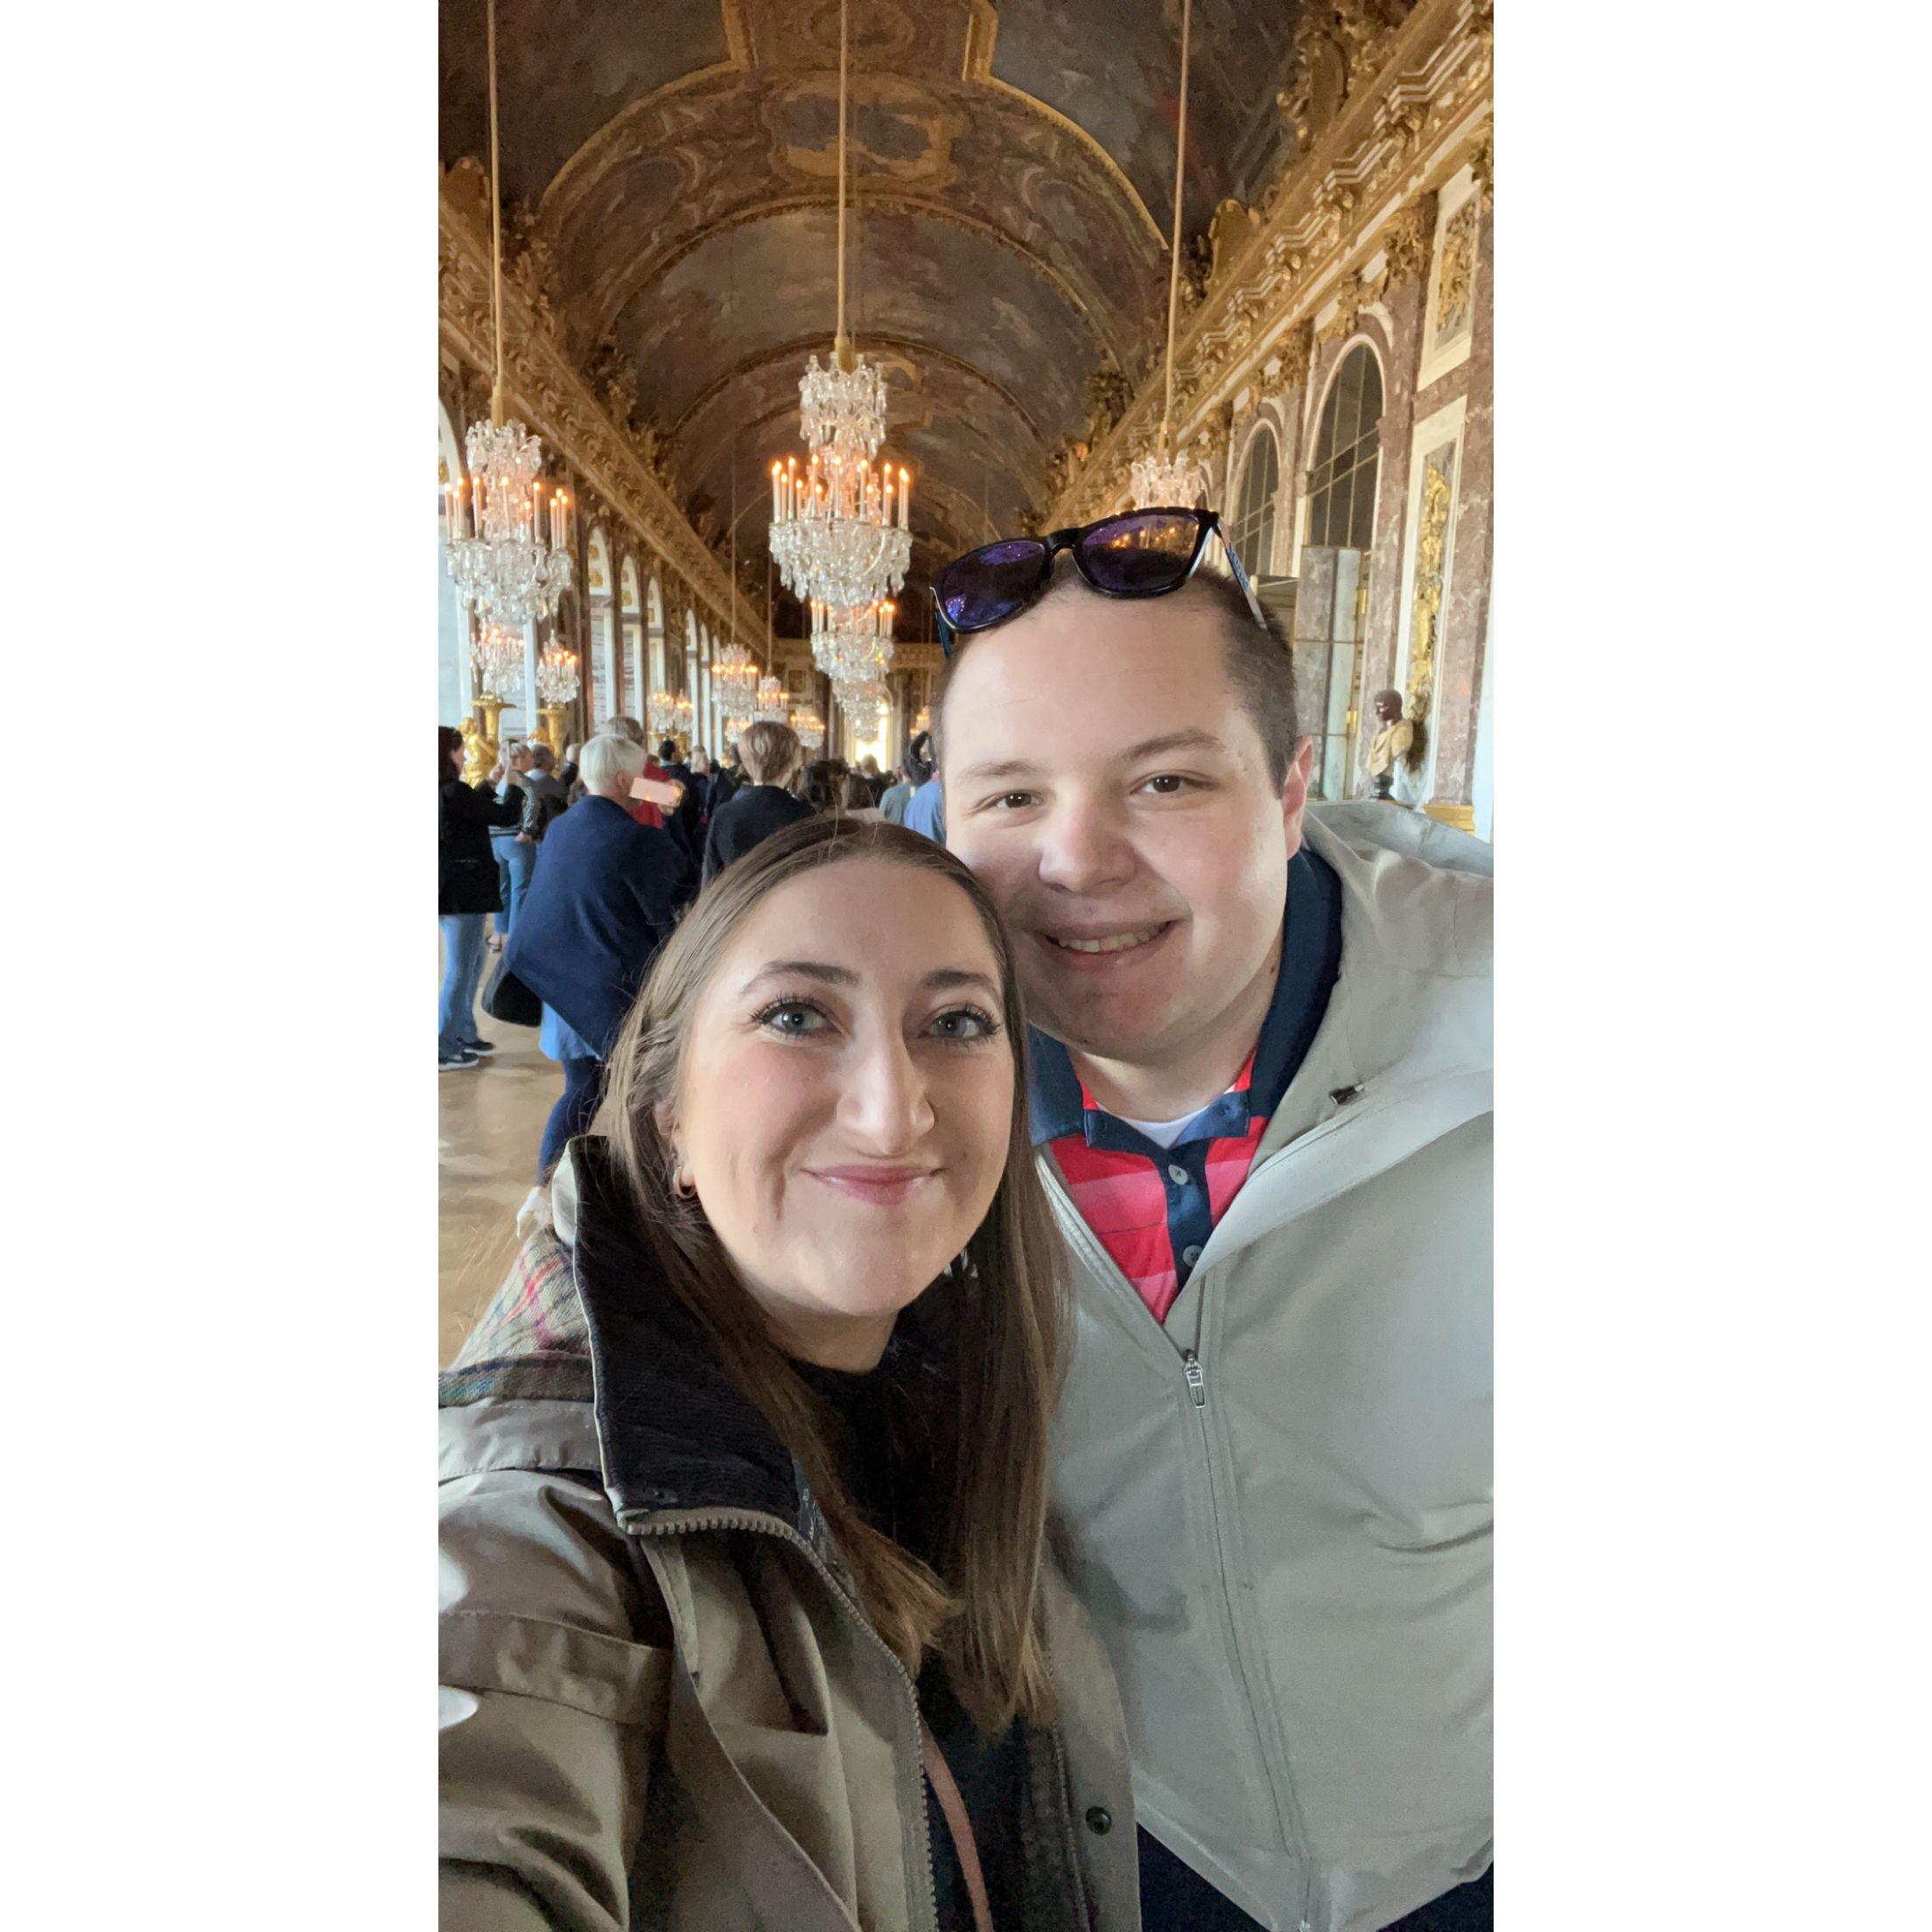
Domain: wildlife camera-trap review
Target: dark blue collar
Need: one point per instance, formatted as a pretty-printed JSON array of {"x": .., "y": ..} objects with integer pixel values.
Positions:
[{"x": 1310, "y": 958}]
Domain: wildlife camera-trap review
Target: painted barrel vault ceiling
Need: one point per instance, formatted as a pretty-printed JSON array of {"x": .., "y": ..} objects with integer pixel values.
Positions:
[{"x": 1013, "y": 178}]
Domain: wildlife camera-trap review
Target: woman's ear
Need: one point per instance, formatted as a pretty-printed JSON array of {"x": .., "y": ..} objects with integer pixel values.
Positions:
[{"x": 665, "y": 1123}]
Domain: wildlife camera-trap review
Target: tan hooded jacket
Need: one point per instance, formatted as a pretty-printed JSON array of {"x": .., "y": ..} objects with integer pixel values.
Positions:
[{"x": 660, "y": 1704}]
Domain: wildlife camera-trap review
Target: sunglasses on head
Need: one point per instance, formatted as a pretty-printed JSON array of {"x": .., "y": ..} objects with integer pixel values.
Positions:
[{"x": 1142, "y": 553}]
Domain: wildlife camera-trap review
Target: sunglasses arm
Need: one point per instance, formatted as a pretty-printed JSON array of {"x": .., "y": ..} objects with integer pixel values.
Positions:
[{"x": 1240, "y": 577}]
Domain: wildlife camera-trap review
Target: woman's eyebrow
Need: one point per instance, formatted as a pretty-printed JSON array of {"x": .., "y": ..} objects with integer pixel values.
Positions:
[
  {"x": 804, "y": 968},
  {"x": 944, "y": 978}
]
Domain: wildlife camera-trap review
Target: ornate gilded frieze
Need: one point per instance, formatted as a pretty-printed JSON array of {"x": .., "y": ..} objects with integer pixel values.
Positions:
[{"x": 1384, "y": 101}]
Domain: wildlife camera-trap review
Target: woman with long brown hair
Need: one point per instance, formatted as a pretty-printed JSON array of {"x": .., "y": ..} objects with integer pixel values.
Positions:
[{"x": 749, "y": 1619}]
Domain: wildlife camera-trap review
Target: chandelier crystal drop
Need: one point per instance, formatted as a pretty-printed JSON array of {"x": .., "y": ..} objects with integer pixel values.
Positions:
[
  {"x": 841, "y": 411},
  {"x": 557, "y": 677},
  {"x": 853, "y": 642},
  {"x": 497, "y": 653},
  {"x": 1162, "y": 482}
]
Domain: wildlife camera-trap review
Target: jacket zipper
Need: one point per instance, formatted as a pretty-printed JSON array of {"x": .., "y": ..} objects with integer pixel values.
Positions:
[
  {"x": 1279, "y": 1781},
  {"x": 773, "y": 1526}
]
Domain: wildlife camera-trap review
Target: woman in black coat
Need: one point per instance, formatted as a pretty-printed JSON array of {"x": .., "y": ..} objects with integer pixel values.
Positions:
[
  {"x": 773, "y": 757},
  {"x": 466, "y": 895}
]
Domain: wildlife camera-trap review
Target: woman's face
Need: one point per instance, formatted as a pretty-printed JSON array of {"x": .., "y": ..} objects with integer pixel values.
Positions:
[{"x": 848, "y": 1100}]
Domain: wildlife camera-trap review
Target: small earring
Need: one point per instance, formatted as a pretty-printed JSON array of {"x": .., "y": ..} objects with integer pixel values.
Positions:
[{"x": 684, "y": 1186}]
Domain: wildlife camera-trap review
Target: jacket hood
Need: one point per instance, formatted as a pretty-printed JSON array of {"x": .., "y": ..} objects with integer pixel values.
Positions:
[
  {"x": 587, "y": 1317},
  {"x": 674, "y": 1430}
]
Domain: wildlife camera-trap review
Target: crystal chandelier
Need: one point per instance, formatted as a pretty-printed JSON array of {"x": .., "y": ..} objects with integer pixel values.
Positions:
[
  {"x": 736, "y": 727},
  {"x": 853, "y": 643},
  {"x": 556, "y": 678},
  {"x": 735, "y": 672},
  {"x": 660, "y": 713},
  {"x": 1161, "y": 480},
  {"x": 811, "y": 728},
  {"x": 840, "y": 531},
  {"x": 497, "y": 653},
  {"x": 508, "y": 552},
  {"x": 771, "y": 700}
]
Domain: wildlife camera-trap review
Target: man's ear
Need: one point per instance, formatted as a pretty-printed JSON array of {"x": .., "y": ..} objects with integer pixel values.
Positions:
[{"x": 1294, "y": 792}]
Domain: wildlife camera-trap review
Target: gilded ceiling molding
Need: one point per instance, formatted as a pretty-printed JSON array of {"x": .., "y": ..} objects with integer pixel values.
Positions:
[
  {"x": 981, "y": 35},
  {"x": 615, "y": 298},
  {"x": 560, "y": 408},
  {"x": 1402, "y": 131}
]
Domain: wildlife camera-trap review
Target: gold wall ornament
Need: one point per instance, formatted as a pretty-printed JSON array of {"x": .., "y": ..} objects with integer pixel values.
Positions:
[
  {"x": 1351, "y": 298},
  {"x": 1462, "y": 818},
  {"x": 1426, "y": 608},
  {"x": 1455, "y": 281},
  {"x": 551, "y": 730},
  {"x": 530, "y": 264},
  {"x": 1482, "y": 165},
  {"x": 1406, "y": 240}
]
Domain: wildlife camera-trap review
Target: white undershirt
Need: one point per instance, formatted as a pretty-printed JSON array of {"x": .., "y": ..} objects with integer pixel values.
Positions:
[{"x": 1165, "y": 1133}]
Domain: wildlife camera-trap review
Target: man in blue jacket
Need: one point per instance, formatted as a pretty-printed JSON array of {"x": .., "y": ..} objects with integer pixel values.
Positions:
[{"x": 602, "y": 901}]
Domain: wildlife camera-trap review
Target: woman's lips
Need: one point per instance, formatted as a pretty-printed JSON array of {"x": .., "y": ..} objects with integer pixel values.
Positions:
[{"x": 884, "y": 1187}]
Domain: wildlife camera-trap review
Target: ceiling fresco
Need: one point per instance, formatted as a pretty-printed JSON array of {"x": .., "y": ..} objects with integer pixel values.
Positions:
[{"x": 1011, "y": 183}]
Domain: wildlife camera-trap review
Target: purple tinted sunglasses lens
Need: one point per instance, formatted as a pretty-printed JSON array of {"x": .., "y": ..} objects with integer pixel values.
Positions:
[
  {"x": 990, "y": 585},
  {"x": 1136, "y": 555}
]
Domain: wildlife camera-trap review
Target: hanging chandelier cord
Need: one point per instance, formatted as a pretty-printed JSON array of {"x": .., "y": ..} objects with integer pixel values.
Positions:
[
  {"x": 496, "y": 234},
  {"x": 838, "y": 340},
  {"x": 1174, "y": 251}
]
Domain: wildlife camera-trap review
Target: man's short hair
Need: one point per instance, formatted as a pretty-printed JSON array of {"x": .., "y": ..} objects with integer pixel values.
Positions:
[
  {"x": 624, "y": 727},
  {"x": 772, "y": 752},
  {"x": 1261, "y": 661},
  {"x": 607, "y": 756},
  {"x": 666, "y": 751},
  {"x": 543, "y": 757}
]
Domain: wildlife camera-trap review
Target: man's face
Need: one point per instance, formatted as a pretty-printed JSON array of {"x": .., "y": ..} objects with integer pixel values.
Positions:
[
  {"x": 1388, "y": 709},
  {"x": 521, "y": 759},
  {"x": 1102, "y": 780}
]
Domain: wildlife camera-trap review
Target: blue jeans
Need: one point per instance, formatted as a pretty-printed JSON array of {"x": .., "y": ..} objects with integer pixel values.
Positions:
[
  {"x": 462, "y": 972},
  {"x": 572, "y": 1114},
  {"x": 515, "y": 864}
]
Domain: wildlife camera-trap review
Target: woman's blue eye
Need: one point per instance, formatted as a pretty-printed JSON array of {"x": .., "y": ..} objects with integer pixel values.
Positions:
[
  {"x": 965, "y": 1023},
  {"x": 793, "y": 1018}
]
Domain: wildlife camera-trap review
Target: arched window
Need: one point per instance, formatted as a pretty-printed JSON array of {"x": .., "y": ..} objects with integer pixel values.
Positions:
[
  {"x": 1253, "y": 534},
  {"x": 653, "y": 607},
  {"x": 631, "y": 616},
  {"x": 1341, "y": 486},
  {"x": 602, "y": 681}
]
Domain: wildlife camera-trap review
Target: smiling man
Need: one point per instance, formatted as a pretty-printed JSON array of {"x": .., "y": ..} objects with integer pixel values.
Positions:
[{"x": 1261, "y": 1109}]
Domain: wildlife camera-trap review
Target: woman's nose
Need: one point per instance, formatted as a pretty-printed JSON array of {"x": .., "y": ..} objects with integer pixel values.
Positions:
[{"x": 882, "y": 1099}]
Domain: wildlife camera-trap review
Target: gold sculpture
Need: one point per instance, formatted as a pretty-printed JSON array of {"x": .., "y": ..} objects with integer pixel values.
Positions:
[
  {"x": 1431, "y": 546},
  {"x": 1455, "y": 282}
]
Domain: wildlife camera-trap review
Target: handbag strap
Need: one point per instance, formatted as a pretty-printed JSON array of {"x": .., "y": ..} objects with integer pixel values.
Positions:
[{"x": 953, "y": 1810}]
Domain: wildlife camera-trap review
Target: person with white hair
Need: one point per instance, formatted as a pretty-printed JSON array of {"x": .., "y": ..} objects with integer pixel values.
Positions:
[{"x": 602, "y": 901}]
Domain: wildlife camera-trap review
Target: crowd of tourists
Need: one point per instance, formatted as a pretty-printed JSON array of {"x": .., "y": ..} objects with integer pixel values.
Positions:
[{"x": 988, "y": 1423}]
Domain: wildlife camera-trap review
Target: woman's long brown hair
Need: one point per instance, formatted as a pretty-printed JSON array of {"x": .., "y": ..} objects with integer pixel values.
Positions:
[{"x": 1004, "y": 1308}]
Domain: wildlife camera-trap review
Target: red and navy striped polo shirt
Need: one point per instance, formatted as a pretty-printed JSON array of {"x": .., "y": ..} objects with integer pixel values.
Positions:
[{"x": 1154, "y": 1208}]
